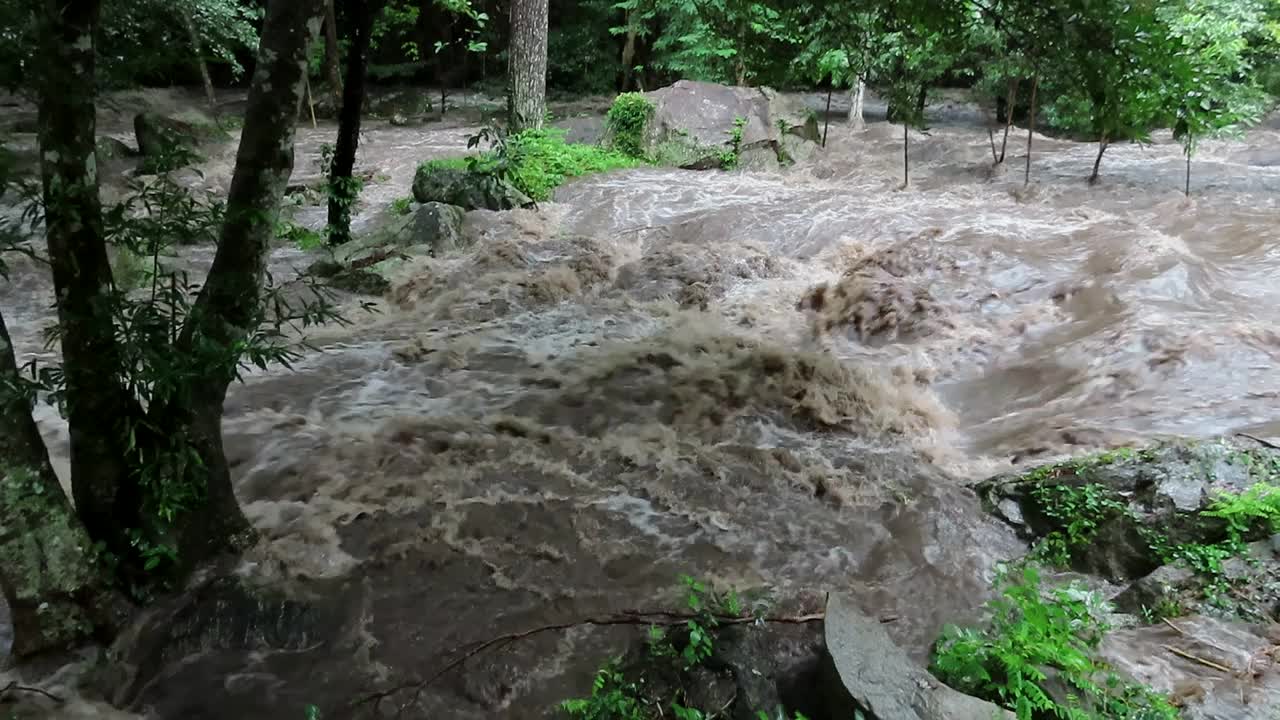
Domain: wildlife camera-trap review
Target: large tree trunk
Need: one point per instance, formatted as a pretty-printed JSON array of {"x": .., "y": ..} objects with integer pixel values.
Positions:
[
  {"x": 856, "y": 96},
  {"x": 58, "y": 591},
  {"x": 527, "y": 66},
  {"x": 229, "y": 305},
  {"x": 98, "y": 406},
  {"x": 332, "y": 59},
  {"x": 629, "y": 51},
  {"x": 197, "y": 49},
  {"x": 342, "y": 195}
]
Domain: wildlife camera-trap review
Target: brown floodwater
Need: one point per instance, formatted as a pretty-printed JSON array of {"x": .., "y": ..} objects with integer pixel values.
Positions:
[{"x": 620, "y": 386}]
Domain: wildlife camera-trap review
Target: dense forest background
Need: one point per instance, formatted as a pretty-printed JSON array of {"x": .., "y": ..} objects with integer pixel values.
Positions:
[{"x": 1100, "y": 67}]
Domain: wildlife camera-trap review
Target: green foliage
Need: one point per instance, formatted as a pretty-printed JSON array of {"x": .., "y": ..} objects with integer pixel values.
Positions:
[
  {"x": 536, "y": 161},
  {"x": 305, "y": 238},
  {"x": 729, "y": 157},
  {"x": 402, "y": 205},
  {"x": 639, "y": 692},
  {"x": 1031, "y": 631},
  {"x": 343, "y": 191},
  {"x": 147, "y": 40},
  {"x": 1078, "y": 512},
  {"x": 628, "y": 120}
]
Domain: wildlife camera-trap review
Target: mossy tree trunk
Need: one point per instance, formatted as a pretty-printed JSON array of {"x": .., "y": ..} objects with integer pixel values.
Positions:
[
  {"x": 527, "y": 67},
  {"x": 58, "y": 591},
  {"x": 116, "y": 445},
  {"x": 229, "y": 307},
  {"x": 342, "y": 183}
]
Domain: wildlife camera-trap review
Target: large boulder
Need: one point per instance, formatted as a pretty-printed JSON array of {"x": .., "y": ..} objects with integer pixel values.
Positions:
[
  {"x": 864, "y": 669},
  {"x": 433, "y": 225},
  {"x": 693, "y": 121},
  {"x": 467, "y": 190},
  {"x": 169, "y": 142}
]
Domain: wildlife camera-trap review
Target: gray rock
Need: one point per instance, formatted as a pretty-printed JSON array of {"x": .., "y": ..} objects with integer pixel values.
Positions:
[
  {"x": 1165, "y": 583},
  {"x": 693, "y": 119},
  {"x": 435, "y": 225},
  {"x": 109, "y": 148},
  {"x": 762, "y": 156},
  {"x": 798, "y": 149},
  {"x": 1163, "y": 490},
  {"x": 360, "y": 282},
  {"x": 466, "y": 190},
  {"x": 866, "y": 671},
  {"x": 167, "y": 143},
  {"x": 409, "y": 102}
]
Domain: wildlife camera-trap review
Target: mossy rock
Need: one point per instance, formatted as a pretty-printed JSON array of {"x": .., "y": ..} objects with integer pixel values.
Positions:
[
  {"x": 1114, "y": 514},
  {"x": 467, "y": 190},
  {"x": 167, "y": 143}
]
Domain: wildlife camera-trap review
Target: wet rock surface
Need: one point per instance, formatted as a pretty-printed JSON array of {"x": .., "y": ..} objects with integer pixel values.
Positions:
[
  {"x": 167, "y": 142},
  {"x": 434, "y": 225},
  {"x": 466, "y": 190},
  {"x": 864, "y": 669}
]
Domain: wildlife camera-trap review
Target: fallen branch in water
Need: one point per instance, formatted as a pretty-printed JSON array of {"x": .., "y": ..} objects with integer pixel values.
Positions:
[
  {"x": 624, "y": 618},
  {"x": 1207, "y": 663},
  {"x": 1257, "y": 439},
  {"x": 15, "y": 687}
]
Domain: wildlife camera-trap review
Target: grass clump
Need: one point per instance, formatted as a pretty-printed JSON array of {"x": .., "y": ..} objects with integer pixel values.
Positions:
[
  {"x": 537, "y": 162},
  {"x": 628, "y": 120},
  {"x": 1031, "y": 632}
]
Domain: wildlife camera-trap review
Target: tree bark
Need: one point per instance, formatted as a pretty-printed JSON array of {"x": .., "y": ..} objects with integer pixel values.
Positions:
[
  {"x": 826, "y": 118},
  {"x": 332, "y": 58},
  {"x": 856, "y": 96},
  {"x": 1097, "y": 162},
  {"x": 229, "y": 305},
  {"x": 629, "y": 51},
  {"x": 99, "y": 408},
  {"x": 906, "y": 156},
  {"x": 1186, "y": 190},
  {"x": 341, "y": 187},
  {"x": 527, "y": 67},
  {"x": 58, "y": 591},
  {"x": 197, "y": 48},
  {"x": 1031, "y": 128},
  {"x": 1008, "y": 117}
]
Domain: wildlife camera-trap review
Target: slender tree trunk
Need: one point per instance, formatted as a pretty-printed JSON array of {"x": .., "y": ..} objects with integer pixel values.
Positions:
[
  {"x": 1008, "y": 119},
  {"x": 1186, "y": 190},
  {"x": 739, "y": 72},
  {"x": 906, "y": 156},
  {"x": 197, "y": 49},
  {"x": 527, "y": 67},
  {"x": 1097, "y": 162},
  {"x": 826, "y": 122},
  {"x": 1031, "y": 128},
  {"x": 98, "y": 407},
  {"x": 342, "y": 195},
  {"x": 332, "y": 57},
  {"x": 856, "y": 98},
  {"x": 58, "y": 591},
  {"x": 629, "y": 51},
  {"x": 229, "y": 305}
]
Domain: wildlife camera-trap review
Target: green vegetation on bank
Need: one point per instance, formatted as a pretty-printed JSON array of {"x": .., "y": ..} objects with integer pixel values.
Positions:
[
  {"x": 1033, "y": 631},
  {"x": 537, "y": 162},
  {"x": 1074, "y": 508}
]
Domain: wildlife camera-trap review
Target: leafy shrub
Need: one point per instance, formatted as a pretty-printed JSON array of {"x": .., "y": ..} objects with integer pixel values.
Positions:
[
  {"x": 1030, "y": 633},
  {"x": 536, "y": 161},
  {"x": 628, "y": 118},
  {"x": 402, "y": 205}
]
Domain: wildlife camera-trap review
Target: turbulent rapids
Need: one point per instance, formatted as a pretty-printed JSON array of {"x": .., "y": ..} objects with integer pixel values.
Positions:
[{"x": 773, "y": 379}]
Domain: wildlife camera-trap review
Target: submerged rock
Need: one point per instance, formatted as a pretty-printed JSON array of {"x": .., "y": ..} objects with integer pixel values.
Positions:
[
  {"x": 470, "y": 191},
  {"x": 865, "y": 670}
]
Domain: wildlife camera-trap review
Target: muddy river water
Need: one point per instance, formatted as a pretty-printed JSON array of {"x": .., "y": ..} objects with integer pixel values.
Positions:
[{"x": 618, "y": 387}]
